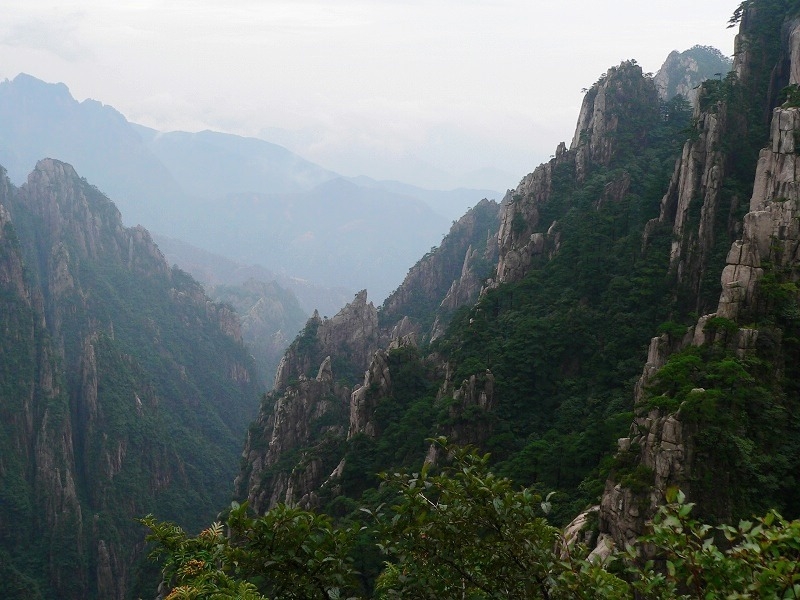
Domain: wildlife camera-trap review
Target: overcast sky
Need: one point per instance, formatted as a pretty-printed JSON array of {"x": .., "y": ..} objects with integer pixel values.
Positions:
[{"x": 433, "y": 92}]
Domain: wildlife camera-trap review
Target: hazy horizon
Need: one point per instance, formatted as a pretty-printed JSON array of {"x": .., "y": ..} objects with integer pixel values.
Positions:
[{"x": 436, "y": 94}]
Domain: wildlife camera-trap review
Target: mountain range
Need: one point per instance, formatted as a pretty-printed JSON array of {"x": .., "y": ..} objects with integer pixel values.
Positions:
[
  {"x": 126, "y": 389},
  {"x": 244, "y": 198}
]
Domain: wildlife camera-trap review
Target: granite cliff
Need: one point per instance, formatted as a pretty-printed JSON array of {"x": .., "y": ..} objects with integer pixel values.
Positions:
[
  {"x": 668, "y": 446},
  {"x": 125, "y": 390},
  {"x": 658, "y": 217},
  {"x": 336, "y": 373}
]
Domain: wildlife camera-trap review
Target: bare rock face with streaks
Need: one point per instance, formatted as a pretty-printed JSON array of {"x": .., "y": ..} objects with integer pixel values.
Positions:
[
  {"x": 82, "y": 405},
  {"x": 295, "y": 446},
  {"x": 770, "y": 234},
  {"x": 609, "y": 112},
  {"x": 304, "y": 412}
]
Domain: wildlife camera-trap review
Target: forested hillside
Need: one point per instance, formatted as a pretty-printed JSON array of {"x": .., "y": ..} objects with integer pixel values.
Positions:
[
  {"x": 658, "y": 219},
  {"x": 622, "y": 326},
  {"x": 123, "y": 390}
]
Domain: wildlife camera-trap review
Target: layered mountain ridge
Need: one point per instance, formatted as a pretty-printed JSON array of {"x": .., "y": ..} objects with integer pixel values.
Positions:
[{"x": 244, "y": 198}]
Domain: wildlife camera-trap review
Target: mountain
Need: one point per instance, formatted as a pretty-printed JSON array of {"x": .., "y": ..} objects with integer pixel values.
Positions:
[
  {"x": 272, "y": 307},
  {"x": 658, "y": 219},
  {"x": 335, "y": 235},
  {"x": 39, "y": 120},
  {"x": 683, "y": 72},
  {"x": 125, "y": 390},
  {"x": 271, "y": 316},
  {"x": 244, "y": 198},
  {"x": 316, "y": 406},
  {"x": 214, "y": 270},
  {"x": 212, "y": 164}
]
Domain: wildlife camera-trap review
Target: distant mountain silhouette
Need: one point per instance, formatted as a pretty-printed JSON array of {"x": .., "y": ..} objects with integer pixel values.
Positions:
[{"x": 244, "y": 198}]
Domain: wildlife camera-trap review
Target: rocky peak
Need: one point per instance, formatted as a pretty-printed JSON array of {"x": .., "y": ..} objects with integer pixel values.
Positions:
[
  {"x": 436, "y": 283},
  {"x": 351, "y": 336},
  {"x": 518, "y": 239},
  {"x": 620, "y": 106},
  {"x": 683, "y": 72},
  {"x": 617, "y": 102},
  {"x": 101, "y": 334}
]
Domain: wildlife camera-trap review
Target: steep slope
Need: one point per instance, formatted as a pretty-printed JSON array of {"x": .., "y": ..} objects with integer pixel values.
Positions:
[
  {"x": 683, "y": 72},
  {"x": 589, "y": 264},
  {"x": 564, "y": 305},
  {"x": 125, "y": 391},
  {"x": 716, "y": 402},
  {"x": 312, "y": 424},
  {"x": 270, "y": 318}
]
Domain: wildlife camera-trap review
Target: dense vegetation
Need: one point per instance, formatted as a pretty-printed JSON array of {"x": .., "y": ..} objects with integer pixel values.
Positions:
[
  {"x": 466, "y": 533},
  {"x": 117, "y": 395},
  {"x": 560, "y": 349},
  {"x": 564, "y": 344}
]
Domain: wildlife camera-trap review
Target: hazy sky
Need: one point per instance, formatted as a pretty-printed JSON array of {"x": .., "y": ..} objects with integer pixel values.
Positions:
[{"x": 434, "y": 92}]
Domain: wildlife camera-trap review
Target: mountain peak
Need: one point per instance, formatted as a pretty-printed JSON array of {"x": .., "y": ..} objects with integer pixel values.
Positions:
[{"x": 30, "y": 84}]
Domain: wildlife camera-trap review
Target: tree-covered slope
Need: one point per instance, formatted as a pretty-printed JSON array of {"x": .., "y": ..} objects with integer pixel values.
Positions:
[
  {"x": 539, "y": 370},
  {"x": 717, "y": 399},
  {"x": 656, "y": 220},
  {"x": 621, "y": 236},
  {"x": 125, "y": 391}
]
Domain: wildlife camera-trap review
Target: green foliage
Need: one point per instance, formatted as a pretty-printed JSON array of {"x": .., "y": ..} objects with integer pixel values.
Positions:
[
  {"x": 565, "y": 343},
  {"x": 286, "y": 554},
  {"x": 466, "y": 533},
  {"x": 405, "y": 418},
  {"x": 672, "y": 329},
  {"x": 743, "y": 428},
  {"x": 758, "y": 559},
  {"x": 459, "y": 547},
  {"x": 790, "y": 96}
]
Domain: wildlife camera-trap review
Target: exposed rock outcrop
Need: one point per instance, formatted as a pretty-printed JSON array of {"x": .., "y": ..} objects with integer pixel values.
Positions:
[
  {"x": 661, "y": 441},
  {"x": 352, "y": 335},
  {"x": 615, "y": 107},
  {"x": 692, "y": 199},
  {"x": 683, "y": 72},
  {"x": 303, "y": 414},
  {"x": 436, "y": 284},
  {"x": 377, "y": 384},
  {"x": 108, "y": 359},
  {"x": 300, "y": 416}
]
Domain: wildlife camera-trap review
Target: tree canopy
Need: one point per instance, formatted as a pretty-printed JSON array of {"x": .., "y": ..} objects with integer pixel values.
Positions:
[{"x": 464, "y": 532}]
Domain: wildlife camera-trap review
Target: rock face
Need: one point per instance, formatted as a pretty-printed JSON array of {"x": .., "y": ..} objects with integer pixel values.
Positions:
[
  {"x": 108, "y": 359},
  {"x": 352, "y": 333},
  {"x": 301, "y": 415},
  {"x": 518, "y": 239},
  {"x": 683, "y": 72},
  {"x": 615, "y": 108},
  {"x": 304, "y": 414},
  {"x": 436, "y": 284},
  {"x": 661, "y": 441},
  {"x": 297, "y": 443},
  {"x": 269, "y": 315},
  {"x": 693, "y": 198}
]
